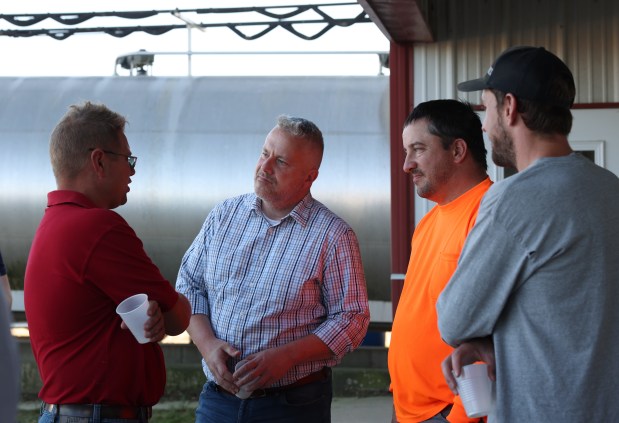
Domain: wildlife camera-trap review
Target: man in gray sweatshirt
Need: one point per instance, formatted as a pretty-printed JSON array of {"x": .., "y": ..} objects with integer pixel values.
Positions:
[{"x": 536, "y": 288}]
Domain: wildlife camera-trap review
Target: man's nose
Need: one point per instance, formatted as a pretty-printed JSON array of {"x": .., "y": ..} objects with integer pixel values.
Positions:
[
  {"x": 409, "y": 165},
  {"x": 267, "y": 165}
]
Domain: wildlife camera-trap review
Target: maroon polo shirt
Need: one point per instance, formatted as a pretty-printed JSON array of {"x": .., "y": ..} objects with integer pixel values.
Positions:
[{"x": 83, "y": 262}]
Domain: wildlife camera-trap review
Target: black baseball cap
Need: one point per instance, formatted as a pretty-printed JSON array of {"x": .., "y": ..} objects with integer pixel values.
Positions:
[{"x": 528, "y": 73}]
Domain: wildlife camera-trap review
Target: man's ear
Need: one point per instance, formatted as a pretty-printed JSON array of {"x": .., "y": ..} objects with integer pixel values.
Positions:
[
  {"x": 459, "y": 150},
  {"x": 312, "y": 175},
  {"x": 97, "y": 162},
  {"x": 510, "y": 109}
]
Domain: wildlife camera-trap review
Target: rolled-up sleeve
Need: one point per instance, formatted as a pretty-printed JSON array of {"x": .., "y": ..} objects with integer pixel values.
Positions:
[
  {"x": 190, "y": 281},
  {"x": 345, "y": 296}
]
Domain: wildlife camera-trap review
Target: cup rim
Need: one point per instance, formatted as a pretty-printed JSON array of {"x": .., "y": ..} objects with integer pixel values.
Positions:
[{"x": 132, "y": 297}]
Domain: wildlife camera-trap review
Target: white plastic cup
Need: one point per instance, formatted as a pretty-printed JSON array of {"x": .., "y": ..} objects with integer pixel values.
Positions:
[
  {"x": 476, "y": 390},
  {"x": 243, "y": 393},
  {"x": 133, "y": 311}
]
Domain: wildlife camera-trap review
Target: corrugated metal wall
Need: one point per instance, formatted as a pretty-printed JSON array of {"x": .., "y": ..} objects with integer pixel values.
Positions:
[{"x": 470, "y": 34}]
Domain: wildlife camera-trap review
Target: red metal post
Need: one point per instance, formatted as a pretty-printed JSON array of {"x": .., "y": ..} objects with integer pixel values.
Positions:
[{"x": 402, "y": 189}]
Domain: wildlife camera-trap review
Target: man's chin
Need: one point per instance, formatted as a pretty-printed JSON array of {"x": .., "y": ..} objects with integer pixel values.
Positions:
[
  {"x": 262, "y": 185},
  {"x": 263, "y": 193},
  {"x": 122, "y": 202},
  {"x": 501, "y": 161},
  {"x": 259, "y": 189},
  {"x": 423, "y": 192}
]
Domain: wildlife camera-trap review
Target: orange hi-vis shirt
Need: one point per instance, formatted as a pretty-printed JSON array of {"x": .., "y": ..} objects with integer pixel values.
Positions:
[{"x": 417, "y": 350}]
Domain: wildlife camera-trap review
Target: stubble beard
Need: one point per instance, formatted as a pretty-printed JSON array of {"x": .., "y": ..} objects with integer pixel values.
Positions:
[
  {"x": 264, "y": 190},
  {"x": 428, "y": 188},
  {"x": 503, "y": 153},
  {"x": 425, "y": 190}
]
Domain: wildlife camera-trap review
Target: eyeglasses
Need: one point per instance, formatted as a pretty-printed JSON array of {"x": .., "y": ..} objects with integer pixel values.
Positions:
[{"x": 131, "y": 159}]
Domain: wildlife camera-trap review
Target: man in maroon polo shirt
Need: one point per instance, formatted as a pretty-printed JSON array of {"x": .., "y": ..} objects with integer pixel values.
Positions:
[{"x": 84, "y": 260}]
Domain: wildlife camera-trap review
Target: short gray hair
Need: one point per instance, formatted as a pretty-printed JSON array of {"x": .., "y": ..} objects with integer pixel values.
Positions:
[
  {"x": 302, "y": 128},
  {"x": 84, "y": 126}
]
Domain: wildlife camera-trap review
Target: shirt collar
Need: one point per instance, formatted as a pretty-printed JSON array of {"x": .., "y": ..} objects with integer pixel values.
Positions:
[
  {"x": 59, "y": 197},
  {"x": 300, "y": 213}
]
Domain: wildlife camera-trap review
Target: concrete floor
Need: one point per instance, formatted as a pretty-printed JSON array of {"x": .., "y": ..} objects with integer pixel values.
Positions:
[
  {"x": 374, "y": 409},
  {"x": 362, "y": 410}
]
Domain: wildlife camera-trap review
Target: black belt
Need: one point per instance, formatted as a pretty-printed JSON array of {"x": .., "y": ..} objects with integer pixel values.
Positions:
[
  {"x": 126, "y": 412},
  {"x": 318, "y": 376}
]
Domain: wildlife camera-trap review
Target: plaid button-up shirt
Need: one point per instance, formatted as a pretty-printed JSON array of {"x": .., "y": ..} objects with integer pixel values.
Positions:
[{"x": 264, "y": 285}]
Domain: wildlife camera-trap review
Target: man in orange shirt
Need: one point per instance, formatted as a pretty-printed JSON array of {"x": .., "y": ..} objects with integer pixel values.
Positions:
[{"x": 446, "y": 157}]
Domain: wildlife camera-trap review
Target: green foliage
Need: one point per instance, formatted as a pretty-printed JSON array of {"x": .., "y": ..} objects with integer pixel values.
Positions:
[{"x": 15, "y": 269}]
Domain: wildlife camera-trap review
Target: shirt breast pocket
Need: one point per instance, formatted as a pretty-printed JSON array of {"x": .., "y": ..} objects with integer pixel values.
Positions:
[{"x": 444, "y": 267}]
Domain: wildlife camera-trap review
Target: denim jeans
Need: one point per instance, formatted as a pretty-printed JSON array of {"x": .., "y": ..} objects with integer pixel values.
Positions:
[
  {"x": 309, "y": 403},
  {"x": 49, "y": 417}
]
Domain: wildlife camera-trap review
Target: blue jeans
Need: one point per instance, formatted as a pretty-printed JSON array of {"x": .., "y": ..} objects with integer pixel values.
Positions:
[
  {"x": 309, "y": 403},
  {"x": 49, "y": 417}
]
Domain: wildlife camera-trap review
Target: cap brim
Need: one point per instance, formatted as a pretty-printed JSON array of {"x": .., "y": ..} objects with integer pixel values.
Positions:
[{"x": 474, "y": 84}]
